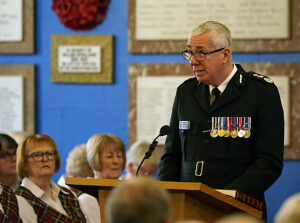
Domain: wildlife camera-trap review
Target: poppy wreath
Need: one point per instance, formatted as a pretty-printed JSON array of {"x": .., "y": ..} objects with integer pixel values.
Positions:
[{"x": 80, "y": 14}]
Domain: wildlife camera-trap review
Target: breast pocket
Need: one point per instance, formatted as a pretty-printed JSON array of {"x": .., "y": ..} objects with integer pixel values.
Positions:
[{"x": 190, "y": 142}]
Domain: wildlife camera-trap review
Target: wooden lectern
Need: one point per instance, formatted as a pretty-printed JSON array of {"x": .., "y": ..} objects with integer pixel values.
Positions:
[{"x": 190, "y": 200}]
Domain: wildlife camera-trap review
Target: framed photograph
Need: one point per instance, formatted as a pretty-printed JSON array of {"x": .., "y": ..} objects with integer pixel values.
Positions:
[
  {"x": 16, "y": 26},
  {"x": 17, "y": 95},
  {"x": 82, "y": 59}
]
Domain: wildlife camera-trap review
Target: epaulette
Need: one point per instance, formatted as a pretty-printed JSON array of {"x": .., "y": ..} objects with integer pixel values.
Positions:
[{"x": 260, "y": 77}]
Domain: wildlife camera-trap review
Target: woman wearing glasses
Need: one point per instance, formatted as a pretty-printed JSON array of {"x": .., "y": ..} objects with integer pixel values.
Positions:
[
  {"x": 9, "y": 208},
  {"x": 37, "y": 161},
  {"x": 8, "y": 174}
]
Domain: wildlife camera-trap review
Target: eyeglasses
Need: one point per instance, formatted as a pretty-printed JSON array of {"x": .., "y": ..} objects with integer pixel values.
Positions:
[
  {"x": 39, "y": 156},
  {"x": 7, "y": 156},
  {"x": 200, "y": 56}
]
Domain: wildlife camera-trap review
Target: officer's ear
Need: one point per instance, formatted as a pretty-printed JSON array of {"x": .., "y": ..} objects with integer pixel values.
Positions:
[{"x": 227, "y": 55}]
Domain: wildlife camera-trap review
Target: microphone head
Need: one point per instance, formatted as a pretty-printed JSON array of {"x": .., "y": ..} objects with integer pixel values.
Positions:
[{"x": 165, "y": 130}]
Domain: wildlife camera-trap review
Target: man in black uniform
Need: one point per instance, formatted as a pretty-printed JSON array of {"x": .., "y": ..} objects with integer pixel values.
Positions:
[{"x": 227, "y": 124}]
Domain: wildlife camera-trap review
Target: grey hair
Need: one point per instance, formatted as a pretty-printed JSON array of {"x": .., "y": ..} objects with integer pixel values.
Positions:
[
  {"x": 137, "y": 151},
  {"x": 289, "y": 212},
  {"x": 77, "y": 164},
  {"x": 239, "y": 217},
  {"x": 141, "y": 200},
  {"x": 220, "y": 33}
]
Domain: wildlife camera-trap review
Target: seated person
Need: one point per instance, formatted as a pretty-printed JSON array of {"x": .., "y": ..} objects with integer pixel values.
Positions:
[
  {"x": 289, "y": 211},
  {"x": 8, "y": 173},
  {"x": 140, "y": 200},
  {"x": 77, "y": 166},
  {"x": 10, "y": 211},
  {"x": 37, "y": 160},
  {"x": 106, "y": 156},
  {"x": 135, "y": 155}
]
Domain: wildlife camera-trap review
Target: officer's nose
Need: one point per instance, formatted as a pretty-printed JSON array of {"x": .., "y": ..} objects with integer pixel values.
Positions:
[{"x": 193, "y": 60}]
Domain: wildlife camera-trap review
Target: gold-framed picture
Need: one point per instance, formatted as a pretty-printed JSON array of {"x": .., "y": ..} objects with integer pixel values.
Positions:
[
  {"x": 17, "y": 93},
  {"x": 82, "y": 59},
  {"x": 149, "y": 21},
  {"x": 17, "y": 27}
]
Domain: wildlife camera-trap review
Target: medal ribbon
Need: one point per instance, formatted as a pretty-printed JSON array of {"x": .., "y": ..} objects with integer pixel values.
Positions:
[{"x": 240, "y": 122}]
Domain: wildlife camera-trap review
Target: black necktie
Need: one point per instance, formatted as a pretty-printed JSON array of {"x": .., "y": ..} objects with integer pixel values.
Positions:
[{"x": 215, "y": 93}]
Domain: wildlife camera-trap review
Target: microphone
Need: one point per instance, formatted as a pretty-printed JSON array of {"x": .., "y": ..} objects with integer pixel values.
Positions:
[{"x": 165, "y": 130}]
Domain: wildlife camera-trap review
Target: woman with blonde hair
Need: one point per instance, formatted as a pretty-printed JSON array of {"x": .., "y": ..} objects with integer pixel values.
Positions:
[
  {"x": 106, "y": 156},
  {"x": 37, "y": 160}
]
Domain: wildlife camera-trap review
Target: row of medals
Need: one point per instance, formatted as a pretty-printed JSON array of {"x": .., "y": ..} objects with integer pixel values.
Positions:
[{"x": 218, "y": 128}]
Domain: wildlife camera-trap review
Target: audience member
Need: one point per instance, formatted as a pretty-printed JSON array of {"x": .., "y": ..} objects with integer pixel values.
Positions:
[
  {"x": 289, "y": 211},
  {"x": 77, "y": 166},
  {"x": 135, "y": 155},
  {"x": 106, "y": 156},
  {"x": 37, "y": 160},
  {"x": 9, "y": 208},
  {"x": 140, "y": 200},
  {"x": 239, "y": 218},
  {"x": 8, "y": 173}
]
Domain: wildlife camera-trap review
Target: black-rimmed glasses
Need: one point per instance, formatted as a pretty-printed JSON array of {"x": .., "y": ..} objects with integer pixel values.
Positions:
[
  {"x": 200, "y": 56},
  {"x": 39, "y": 156},
  {"x": 7, "y": 156}
]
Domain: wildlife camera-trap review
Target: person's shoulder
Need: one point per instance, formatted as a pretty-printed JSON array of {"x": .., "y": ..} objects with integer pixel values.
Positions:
[
  {"x": 253, "y": 78},
  {"x": 259, "y": 78},
  {"x": 84, "y": 197},
  {"x": 191, "y": 81}
]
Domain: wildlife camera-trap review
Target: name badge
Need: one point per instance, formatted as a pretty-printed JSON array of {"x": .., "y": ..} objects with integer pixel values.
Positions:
[{"x": 184, "y": 125}]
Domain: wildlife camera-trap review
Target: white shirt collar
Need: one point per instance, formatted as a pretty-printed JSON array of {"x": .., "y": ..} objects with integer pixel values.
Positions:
[
  {"x": 38, "y": 192},
  {"x": 222, "y": 86}
]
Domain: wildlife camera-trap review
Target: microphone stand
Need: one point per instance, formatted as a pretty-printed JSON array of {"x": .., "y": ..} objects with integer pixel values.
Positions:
[
  {"x": 147, "y": 154},
  {"x": 165, "y": 130}
]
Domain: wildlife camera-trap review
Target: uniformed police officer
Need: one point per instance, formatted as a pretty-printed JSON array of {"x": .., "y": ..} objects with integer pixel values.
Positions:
[{"x": 227, "y": 124}]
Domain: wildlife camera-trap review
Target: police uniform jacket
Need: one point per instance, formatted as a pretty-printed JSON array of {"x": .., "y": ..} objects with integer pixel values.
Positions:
[{"x": 250, "y": 165}]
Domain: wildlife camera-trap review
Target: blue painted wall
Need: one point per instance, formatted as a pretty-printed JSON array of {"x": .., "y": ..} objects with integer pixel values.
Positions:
[{"x": 71, "y": 113}]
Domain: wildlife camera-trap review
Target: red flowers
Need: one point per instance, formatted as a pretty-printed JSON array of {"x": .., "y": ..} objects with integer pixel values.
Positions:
[{"x": 80, "y": 14}]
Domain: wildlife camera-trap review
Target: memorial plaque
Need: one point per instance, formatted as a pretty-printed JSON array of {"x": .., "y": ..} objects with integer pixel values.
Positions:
[
  {"x": 257, "y": 26},
  {"x": 16, "y": 26},
  {"x": 154, "y": 95},
  {"x": 11, "y": 20},
  {"x": 82, "y": 59},
  {"x": 17, "y": 96},
  {"x": 11, "y": 110},
  {"x": 79, "y": 59},
  {"x": 247, "y": 19}
]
